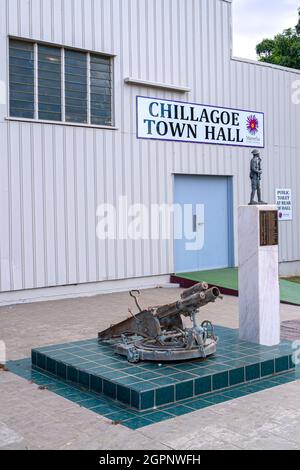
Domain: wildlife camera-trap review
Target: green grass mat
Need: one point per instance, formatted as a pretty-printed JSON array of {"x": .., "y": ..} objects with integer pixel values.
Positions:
[
  {"x": 294, "y": 279},
  {"x": 228, "y": 279}
]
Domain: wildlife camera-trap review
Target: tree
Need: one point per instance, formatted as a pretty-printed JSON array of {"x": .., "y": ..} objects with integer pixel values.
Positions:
[{"x": 284, "y": 49}]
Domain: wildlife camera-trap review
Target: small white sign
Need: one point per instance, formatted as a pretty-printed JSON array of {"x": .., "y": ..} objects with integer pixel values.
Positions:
[
  {"x": 284, "y": 204},
  {"x": 162, "y": 119}
]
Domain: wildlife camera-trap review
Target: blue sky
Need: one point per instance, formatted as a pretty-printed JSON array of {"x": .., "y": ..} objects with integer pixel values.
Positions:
[{"x": 254, "y": 20}]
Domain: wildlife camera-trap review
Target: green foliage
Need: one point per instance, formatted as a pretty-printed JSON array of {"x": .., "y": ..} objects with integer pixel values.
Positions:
[{"x": 284, "y": 49}]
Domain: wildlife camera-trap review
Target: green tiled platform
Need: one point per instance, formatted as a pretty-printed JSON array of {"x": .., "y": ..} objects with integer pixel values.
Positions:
[
  {"x": 228, "y": 279},
  {"x": 146, "y": 386},
  {"x": 134, "y": 419}
]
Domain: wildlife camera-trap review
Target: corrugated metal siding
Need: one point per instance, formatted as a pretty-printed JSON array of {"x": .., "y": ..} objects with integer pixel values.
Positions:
[{"x": 53, "y": 177}]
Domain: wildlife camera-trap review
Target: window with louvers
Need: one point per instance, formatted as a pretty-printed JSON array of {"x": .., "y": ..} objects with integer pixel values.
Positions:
[
  {"x": 76, "y": 86},
  {"x": 49, "y": 79},
  {"x": 21, "y": 79},
  {"x": 101, "y": 85},
  {"x": 65, "y": 85}
]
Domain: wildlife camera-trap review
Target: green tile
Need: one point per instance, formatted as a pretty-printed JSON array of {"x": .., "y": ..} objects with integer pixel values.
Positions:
[
  {"x": 72, "y": 374},
  {"x": 147, "y": 400},
  {"x": 217, "y": 399},
  {"x": 51, "y": 365},
  {"x": 184, "y": 390},
  {"x": 135, "y": 370},
  {"x": 164, "y": 381},
  {"x": 219, "y": 368},
  {"x": 33, "y": 357},
  {"x": 124, "y": 366},
  {"x": 90, "y": 403},
  {"x": 165, "y": 395},
  {"x": 57, "y": 386},
  {"x": 235, "y": 393},
  {"x": 109, "y": 389},
  {"x": 235, "y": 355},
  {"x": 182, "y": 376},
  {"x": 128, "y": 380},
  {"x": 153, "y": 366},
  {"x": 137, "y": 423},
  {"x": 165, "y": 371},
  {"x": 236, "y": 376},
  {"x": 201, "y": 365},
  {"x": 292, "y": 364},
  {"x": 96, "y": 384},
  {"x": 135, "y": 399},
  {"x": 142, "y": 386},
  {"x": 281, "y": 379},
  {"x": 147, "y": 375},
  {"x": 111, "y": 375},
  {"x": 158, "y": 416},
  {"x": 41, "y": 360},
  {"x": 220, "y": 380},
  {"x": 64, "y": 357},
  {"x": 81, "y": 364},
  {"x": 267, "y": 368},
  {"x": 61, "y": 370},
  {"x": 203, "y": 372},
  {"x": 84, "y": 379},
  {"x": 203, "y": 385},
  {"x": 120, "y": 416},
  {"x": 282, "y": 364},
  {"x": 270, "y": 384},
  {"x": 102, "y": 409},
  {"x": 252, "y": 372},
  {"x": 71, "y": 394},
  {"x": 123, "y": 394},
  {"x": 106, "y": 410},
  {"x": 254, "y": 388},
  {"x": 198, "y": 404},
  {"x": 185, "y": 366},
  {"x": 178, "y": 410}
]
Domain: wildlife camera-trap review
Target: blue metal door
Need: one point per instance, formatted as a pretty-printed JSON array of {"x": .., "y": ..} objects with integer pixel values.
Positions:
[{"x": 203, "y": 226}]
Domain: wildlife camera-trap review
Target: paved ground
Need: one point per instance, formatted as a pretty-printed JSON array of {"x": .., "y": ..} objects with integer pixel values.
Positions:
[{"x": 31, "y": 418}]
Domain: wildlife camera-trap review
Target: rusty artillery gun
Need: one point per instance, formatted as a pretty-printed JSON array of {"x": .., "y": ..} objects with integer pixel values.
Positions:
[{"x": 158, "y": 333}]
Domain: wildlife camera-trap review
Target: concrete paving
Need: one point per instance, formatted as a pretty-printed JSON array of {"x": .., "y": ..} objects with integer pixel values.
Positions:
[{"x": 31, "y": 418}]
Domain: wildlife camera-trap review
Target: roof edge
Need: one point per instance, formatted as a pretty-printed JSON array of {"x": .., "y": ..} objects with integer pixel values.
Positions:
[{"x": 266, "y": 64}]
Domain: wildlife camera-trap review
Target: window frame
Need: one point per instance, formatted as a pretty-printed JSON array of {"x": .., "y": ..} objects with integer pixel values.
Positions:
[{"x": 63, "y": 121}]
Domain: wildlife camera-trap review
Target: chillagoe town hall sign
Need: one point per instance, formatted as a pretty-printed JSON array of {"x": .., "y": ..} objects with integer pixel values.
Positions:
[{"x": 160, "y": 119}]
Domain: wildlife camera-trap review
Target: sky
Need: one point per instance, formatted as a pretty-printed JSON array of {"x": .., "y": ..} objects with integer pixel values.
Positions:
[{"x": 254, "y": 20}]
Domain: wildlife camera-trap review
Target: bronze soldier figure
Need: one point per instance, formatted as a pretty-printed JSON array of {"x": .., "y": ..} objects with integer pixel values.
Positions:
[{"x": 255, "y": 176}]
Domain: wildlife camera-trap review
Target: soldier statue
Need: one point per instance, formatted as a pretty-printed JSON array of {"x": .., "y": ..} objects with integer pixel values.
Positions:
[{"x": 255, "y": 176}]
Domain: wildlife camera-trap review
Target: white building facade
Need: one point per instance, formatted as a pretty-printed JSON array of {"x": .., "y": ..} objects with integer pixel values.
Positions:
[{"x": 71, "y": 72}]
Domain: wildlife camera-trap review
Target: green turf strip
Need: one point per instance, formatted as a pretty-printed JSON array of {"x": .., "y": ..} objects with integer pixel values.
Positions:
[
  {"x": 294, "y": 279},
  {"x": 228, "y": 279}
]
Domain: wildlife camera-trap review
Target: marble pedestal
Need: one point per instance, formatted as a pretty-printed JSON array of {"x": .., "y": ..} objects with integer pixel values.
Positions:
[{"x": 259, "y": 295}]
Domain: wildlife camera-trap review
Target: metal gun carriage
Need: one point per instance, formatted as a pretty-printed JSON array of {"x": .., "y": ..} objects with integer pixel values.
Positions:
[{"x": 158, "y": 333}]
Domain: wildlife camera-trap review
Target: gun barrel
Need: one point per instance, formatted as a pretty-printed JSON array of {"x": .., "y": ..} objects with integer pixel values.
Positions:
[
  {"x": 200, "y": 287},
  {"x": 211, "y": 295},
  {"x": 186, "y": 305}
]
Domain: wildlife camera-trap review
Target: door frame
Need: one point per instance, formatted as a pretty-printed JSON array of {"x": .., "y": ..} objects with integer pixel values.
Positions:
[{"x": 230, "y": 205}]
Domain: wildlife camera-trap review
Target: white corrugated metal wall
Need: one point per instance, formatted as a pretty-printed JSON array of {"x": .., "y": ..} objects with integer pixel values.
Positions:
[{"x": 53, "y": 176}]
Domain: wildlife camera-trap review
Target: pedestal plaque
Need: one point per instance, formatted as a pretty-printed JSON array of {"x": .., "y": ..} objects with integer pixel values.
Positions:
[
  {"x": 268, "y": 228},
  {"x": 259, "y": 297}
]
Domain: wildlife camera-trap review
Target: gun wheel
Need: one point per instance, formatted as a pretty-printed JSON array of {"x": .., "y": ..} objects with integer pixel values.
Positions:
[
  {"x": 208, "y": 327},
  {"x": 133, "y": 356}
]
